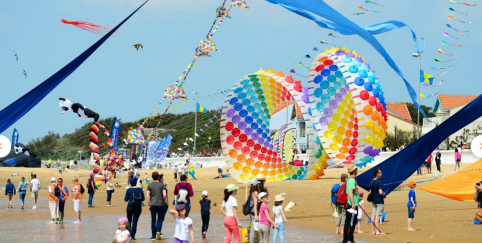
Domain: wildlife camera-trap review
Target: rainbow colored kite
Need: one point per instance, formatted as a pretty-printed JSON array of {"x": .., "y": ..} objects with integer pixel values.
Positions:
[
  {"x": 331, "y": 34},
  {"x": 466, "y": 4},
  {"x": 461, "y": 21}
]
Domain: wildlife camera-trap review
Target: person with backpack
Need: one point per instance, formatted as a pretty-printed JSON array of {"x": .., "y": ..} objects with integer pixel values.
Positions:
[
  {"x": 91, "y": 188},
  {"x": 352, "y": 209},
  {"x": 157, "y": 200},
  {"x": 134, "y": 197},
  {"x": 378, "y": 203},
  {"x": 54, "y": 198},
  {"x": 252, "y": 205},
  {"x": 77, "y": 196},
  {"x": 64, "y": 194},
  {"x": 340, "y": 205},
  {"x": 184, "y": 192}
]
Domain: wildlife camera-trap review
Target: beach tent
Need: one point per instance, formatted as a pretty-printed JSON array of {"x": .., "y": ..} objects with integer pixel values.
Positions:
[{"x": 457, "y": 186}]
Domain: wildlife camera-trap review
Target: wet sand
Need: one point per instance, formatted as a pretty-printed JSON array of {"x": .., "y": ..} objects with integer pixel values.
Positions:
[{"x": 437, "y": 219}]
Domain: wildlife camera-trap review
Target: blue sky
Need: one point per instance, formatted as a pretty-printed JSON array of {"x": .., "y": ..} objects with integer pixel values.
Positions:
[{"x": 119, "y": 81}]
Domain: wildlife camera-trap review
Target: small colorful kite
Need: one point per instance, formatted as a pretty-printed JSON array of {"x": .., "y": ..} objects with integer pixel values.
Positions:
[
  {"x": 137, "y": 46},
  {"x": 447, "y": 34},
  {"x": 315, "y": 49},
  {"x": 324, "y": 42},
  {"x": 301, "y": 64},
  {"x": 453, "y": 10},
  {"x": 431, "y": 95},
  {"x": 439, "y": 84},
  {"x": 445, "y": 43},
  {"x": 373, "y": 11},
  {"x": 368, "y": 1},
  {"x": 357, "y": 14},
  {"x": 331, "y": 34},
  {"x": 175, "y": 92},
  {"x": 461, "y": 21},
  {"x": 459, "y": 31},
  {"x": 435, "y": 68},
  {"x": 294, "y": 72},
  {"x": 450, "y": 60},
  {"x": 442, "y": 52},
  {"x": 307, "y": 56},
  {"x": 221, "y": 12},
  {"x": 97, "y": 29},
  {"x": 466, "y": 4}
]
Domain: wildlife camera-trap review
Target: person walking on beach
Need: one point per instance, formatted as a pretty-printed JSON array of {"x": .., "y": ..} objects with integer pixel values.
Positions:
[
  {"x": 184, "y": 192},
  {"x": 279, "y": 218},
  {"x": 378, "y": 201},
  {"x": 353, "y": 199},
  {"x": 34, "y": 188},
  {"x": 458, "y": 158},
  {"x": 429, "y": 164},
  {"x": 257, "y": 186},
  {"x": 22, "y": 190},
  {"x": 411, "y": 205},
  {"x": 157, "y": 200},
  {"x": 340, "y": 208},
  {"x": 54, "y": 198},
  {"x": 179, "y": 170},
  {"x": 229, "y": 208},
  {"x": 77, "y": 196},
  {"x": 265, "y": 220},
  {"x": 438, "y": 160},
  {"x": 183, "y": 225},
  {"x": 110, "y": 190},
  {"x": 175, "y": 173},
  {"x": 9, "y": 192},
  {"x": 134, "y": 197},
  {"x": 122, "y": 235},
  {"x": 205, "y": 212},
  {"x": 64, "y": 194},
  {"x": 91, "y": 188}
]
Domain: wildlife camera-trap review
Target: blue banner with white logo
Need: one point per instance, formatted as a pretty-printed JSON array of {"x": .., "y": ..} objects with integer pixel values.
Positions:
[
  {"x": 15, "y": 136},
  {"x": 115, "y": 133}
]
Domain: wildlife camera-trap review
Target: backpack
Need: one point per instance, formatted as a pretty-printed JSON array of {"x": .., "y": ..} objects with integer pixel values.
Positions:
[
  {"x": 182, "y": 194},
  {"x": 81, "y": 189},
  {"x": 57, "y": 191},
  {"x": 334, "y": 190},
  {"x": 341, "y": 196},
  {"x": 247, "y": 208}
]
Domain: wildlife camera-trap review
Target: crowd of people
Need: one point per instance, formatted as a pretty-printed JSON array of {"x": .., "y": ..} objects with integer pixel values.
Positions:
[{"x": 187, "y": 154}]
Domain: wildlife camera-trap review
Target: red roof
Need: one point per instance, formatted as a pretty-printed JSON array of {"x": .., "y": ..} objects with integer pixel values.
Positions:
[
  {"x": 399, "y": 109},
  {"x": 281, "y": 106},
  {"x": 400, "y": 118},
  {"x": 451, "y": 101},
  {"x": 299, "y": 114}
]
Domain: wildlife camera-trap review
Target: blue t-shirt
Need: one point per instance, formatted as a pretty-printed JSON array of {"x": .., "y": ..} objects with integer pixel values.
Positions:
[
  {"x": 205, "y": 206},
  {"x": 411, "y": 194},
  {"x": 375, "y": 187}
]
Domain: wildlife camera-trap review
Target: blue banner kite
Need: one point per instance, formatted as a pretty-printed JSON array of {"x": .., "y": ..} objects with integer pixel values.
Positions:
[
  {"x": 17, "y": 109},
  {"x": 311, "y": 9},
  {"x": 402, "y": 165},
  {"x": 115, "y": 133},
  {"x": 15, "y": 136}
]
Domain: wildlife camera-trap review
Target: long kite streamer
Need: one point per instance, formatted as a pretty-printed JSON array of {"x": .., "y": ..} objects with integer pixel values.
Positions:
[
  {"x": 459, "y": 31},
  {"x": 94, "y": 28},
  {"x": 369, "y": 1},
  {"x": 23, "y": 105},
  {"x": 445, "y": 43},
  {"x": 311, "y": 9},
  {"x": 400, "y": 166},
  {"x": 466, "y": 4},
  {"x": 461, "y": 21},
  {"x": 453, "y": 10}
]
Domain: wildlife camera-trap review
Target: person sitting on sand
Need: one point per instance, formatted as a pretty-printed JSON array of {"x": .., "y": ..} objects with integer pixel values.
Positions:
[{"x": 412, "y": 204}]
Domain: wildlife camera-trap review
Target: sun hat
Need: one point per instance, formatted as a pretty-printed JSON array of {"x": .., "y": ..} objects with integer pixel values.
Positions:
[
  {"x": 360, "y": 192},
  {"x": 411, "y": 183},
  {"x": 205, "y": 193},
  {"x": 260, "y": 177},
  {"x": 123, "y": 220},
  {"x": 279, "y": 198},
  {"x": 180, "y": 207},
  {"x": 52, "y": 179},
  {"x": 133, "y": 181},
  {"x": 254, "y": 182},
  {"x": 261, "y": 195},
  {"x": 351, "y": 168},
  {"x": 231, "y": 187}
]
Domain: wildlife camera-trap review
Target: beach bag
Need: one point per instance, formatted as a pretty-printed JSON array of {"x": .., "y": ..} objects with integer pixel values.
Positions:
[
  {"x": 370, "y": 197},
  {"x": 182, "y": 195},
  {"x": 82, "y": 190},
  {"x": 57, "y": 192},
  {"x": 334, "y": 191},
  {"x": 341, "y": 196},
  {"x": 247, "y": 208},
  {"x": 478, "y": 214}
]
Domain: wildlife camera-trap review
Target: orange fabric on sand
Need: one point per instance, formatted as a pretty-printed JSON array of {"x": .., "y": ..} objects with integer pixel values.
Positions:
[{"x": 458, "y": 186}]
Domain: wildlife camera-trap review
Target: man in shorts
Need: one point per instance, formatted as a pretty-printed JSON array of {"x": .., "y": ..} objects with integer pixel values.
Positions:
[
  {"x": 378, "y": 201},
  {"x": 77, "y": 198},
  {"x": 34, "y": 187}
]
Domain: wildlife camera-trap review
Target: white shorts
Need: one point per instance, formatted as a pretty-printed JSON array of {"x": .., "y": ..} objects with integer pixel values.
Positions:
[
  {"x": 77, "y": 203},
  {"x": 35, "y": 194},
  {"x": 54, "y": 210}
]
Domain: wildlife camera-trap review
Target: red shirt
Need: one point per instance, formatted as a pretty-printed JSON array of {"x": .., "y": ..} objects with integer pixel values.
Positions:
[{"x": 429, "y": 159}]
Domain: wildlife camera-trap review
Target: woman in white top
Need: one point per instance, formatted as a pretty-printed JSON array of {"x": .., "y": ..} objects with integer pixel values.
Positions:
[
  {"x": 279, "y": 218},
  {"x": 110, "y": 190},
  {"x": 231, "y": 221}
]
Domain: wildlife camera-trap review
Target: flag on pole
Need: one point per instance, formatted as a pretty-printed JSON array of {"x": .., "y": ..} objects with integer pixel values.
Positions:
[
  {"x": 201, "y": 109},
  {"x": 427, "y": 78},
  {"x": 15, "y": 136}
]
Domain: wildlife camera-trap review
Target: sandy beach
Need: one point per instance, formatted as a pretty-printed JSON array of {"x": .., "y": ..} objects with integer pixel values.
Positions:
[{"x": 437, "y": 219}]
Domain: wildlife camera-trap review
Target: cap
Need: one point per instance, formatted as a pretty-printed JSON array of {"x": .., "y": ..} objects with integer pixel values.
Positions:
[
  {"x": 260, "y": 177},
  {"x": 180, "y": 207},
  {"x": 411, "y": 183},
  {"x": 52, "y": 179},
  {"x": 254, "y": 182},
  {"x": 261, "y": 195},
  {"x": 133, "y": 181},
  {"x": 351, "y": 168},
  {"x": 91, "y": 174},
  {"x": 231, "y": 187},
  {"x": 205, "y": 193},
  {"x": 360, "y": 192}
]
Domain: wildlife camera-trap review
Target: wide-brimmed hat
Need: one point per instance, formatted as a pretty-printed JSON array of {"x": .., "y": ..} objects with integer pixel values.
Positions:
[
  {"x": 231, "y": 187},
  {"x": 351, "y": 168},
  {"x": 260, "y": 177},
  {"x": 180, "y": 207},
  {"x": 279, "y": 198},
  {"x": 411, "y": 183},
  {"x": 254, "y": 182},
  {"x": 261, "y": 195}
]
